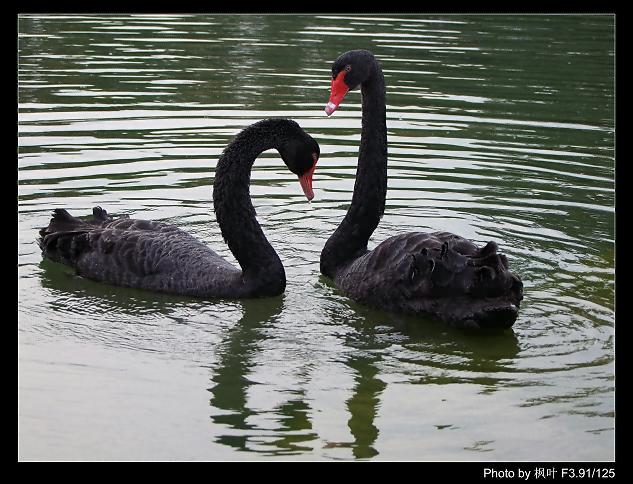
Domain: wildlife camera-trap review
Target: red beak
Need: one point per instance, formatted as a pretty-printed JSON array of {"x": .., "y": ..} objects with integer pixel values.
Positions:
[
  {"x": 338, "y": 92},
  {"x": 306, "y": 180}
]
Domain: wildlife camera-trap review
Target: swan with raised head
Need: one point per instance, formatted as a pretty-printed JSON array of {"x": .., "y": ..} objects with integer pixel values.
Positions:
[
  {"x": 435, "y": 274},
  {"x": 161, "y": 257}
]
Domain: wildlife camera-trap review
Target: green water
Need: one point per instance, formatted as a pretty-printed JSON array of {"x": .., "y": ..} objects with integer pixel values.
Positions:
[{"x": 500, "y": 127}]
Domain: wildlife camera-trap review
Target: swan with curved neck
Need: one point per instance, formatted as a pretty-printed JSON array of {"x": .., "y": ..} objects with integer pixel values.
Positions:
[
  {"x": 440, "y": 274},
  {"x": 161, "y": 257}
]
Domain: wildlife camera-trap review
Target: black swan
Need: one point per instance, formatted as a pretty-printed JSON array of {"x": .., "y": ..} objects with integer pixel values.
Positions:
[
  {"x": 439, "y": 274},
  {"x": 161, "y": 257}
]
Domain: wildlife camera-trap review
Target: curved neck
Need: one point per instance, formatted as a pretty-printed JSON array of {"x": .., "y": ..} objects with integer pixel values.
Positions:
[
  {"x": 235, "y": 212},
  {"x": 349, "y": 241}
]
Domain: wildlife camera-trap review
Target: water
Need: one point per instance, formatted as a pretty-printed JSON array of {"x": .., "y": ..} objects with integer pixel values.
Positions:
[{"x": 499, "y": 126}]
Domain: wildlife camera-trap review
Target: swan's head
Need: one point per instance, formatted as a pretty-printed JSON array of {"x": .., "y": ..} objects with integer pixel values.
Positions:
[
  {"x": 300, "y": 153},
  {"x": 349, "y": 71}
]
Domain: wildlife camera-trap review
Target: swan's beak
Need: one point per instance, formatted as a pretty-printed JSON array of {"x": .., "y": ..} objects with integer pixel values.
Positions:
[
  {"x": 330, "y": 107},
  {"x": 306, "y": 182},
  {"x": 338, "y": 92}
]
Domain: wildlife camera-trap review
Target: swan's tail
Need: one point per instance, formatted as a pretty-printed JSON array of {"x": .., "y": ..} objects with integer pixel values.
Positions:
[
  {"x": 492, "y": 275},
  {"x": 66, "y": 237},
  {"x": 439, "y": 274},
  {"x": 492, "y": 292},
  {"x": 462, "y": 268}
]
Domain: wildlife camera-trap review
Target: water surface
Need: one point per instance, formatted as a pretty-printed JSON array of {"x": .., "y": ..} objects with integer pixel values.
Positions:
[{"x": 500, "y": 127}]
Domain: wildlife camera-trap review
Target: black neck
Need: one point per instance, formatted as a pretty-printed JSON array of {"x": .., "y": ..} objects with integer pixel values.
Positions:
[
  {"x": 349, "y": 241},
  {"x": 233, "y": 207}
]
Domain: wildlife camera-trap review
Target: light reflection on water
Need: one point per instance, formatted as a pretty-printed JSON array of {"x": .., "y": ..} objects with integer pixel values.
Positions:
[{"x": 499, "y": 127}]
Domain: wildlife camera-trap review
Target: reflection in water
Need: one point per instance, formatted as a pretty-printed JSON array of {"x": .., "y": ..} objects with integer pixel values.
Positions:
[
  {"x": 70, "y": 289},
  {"x": 363, "y": 405},
  {"x": 294, "y": 429},
  {"x": 390, "y": 344},
  {"x": 230, "y": 392}
]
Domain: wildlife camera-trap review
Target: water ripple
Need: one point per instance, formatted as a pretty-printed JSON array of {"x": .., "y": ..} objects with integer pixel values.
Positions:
[{"x": 499, "y": 128}]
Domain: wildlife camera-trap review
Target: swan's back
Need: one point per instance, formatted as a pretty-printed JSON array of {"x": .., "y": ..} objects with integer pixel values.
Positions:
[
  {"x": 136, "y": 253},
  {"x": 440, "y": 274}
]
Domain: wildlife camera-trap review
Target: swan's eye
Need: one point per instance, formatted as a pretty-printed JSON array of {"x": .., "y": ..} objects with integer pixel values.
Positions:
[
  {"x": 348, "y": 68},
  {"x": 315, "y": 157}
]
